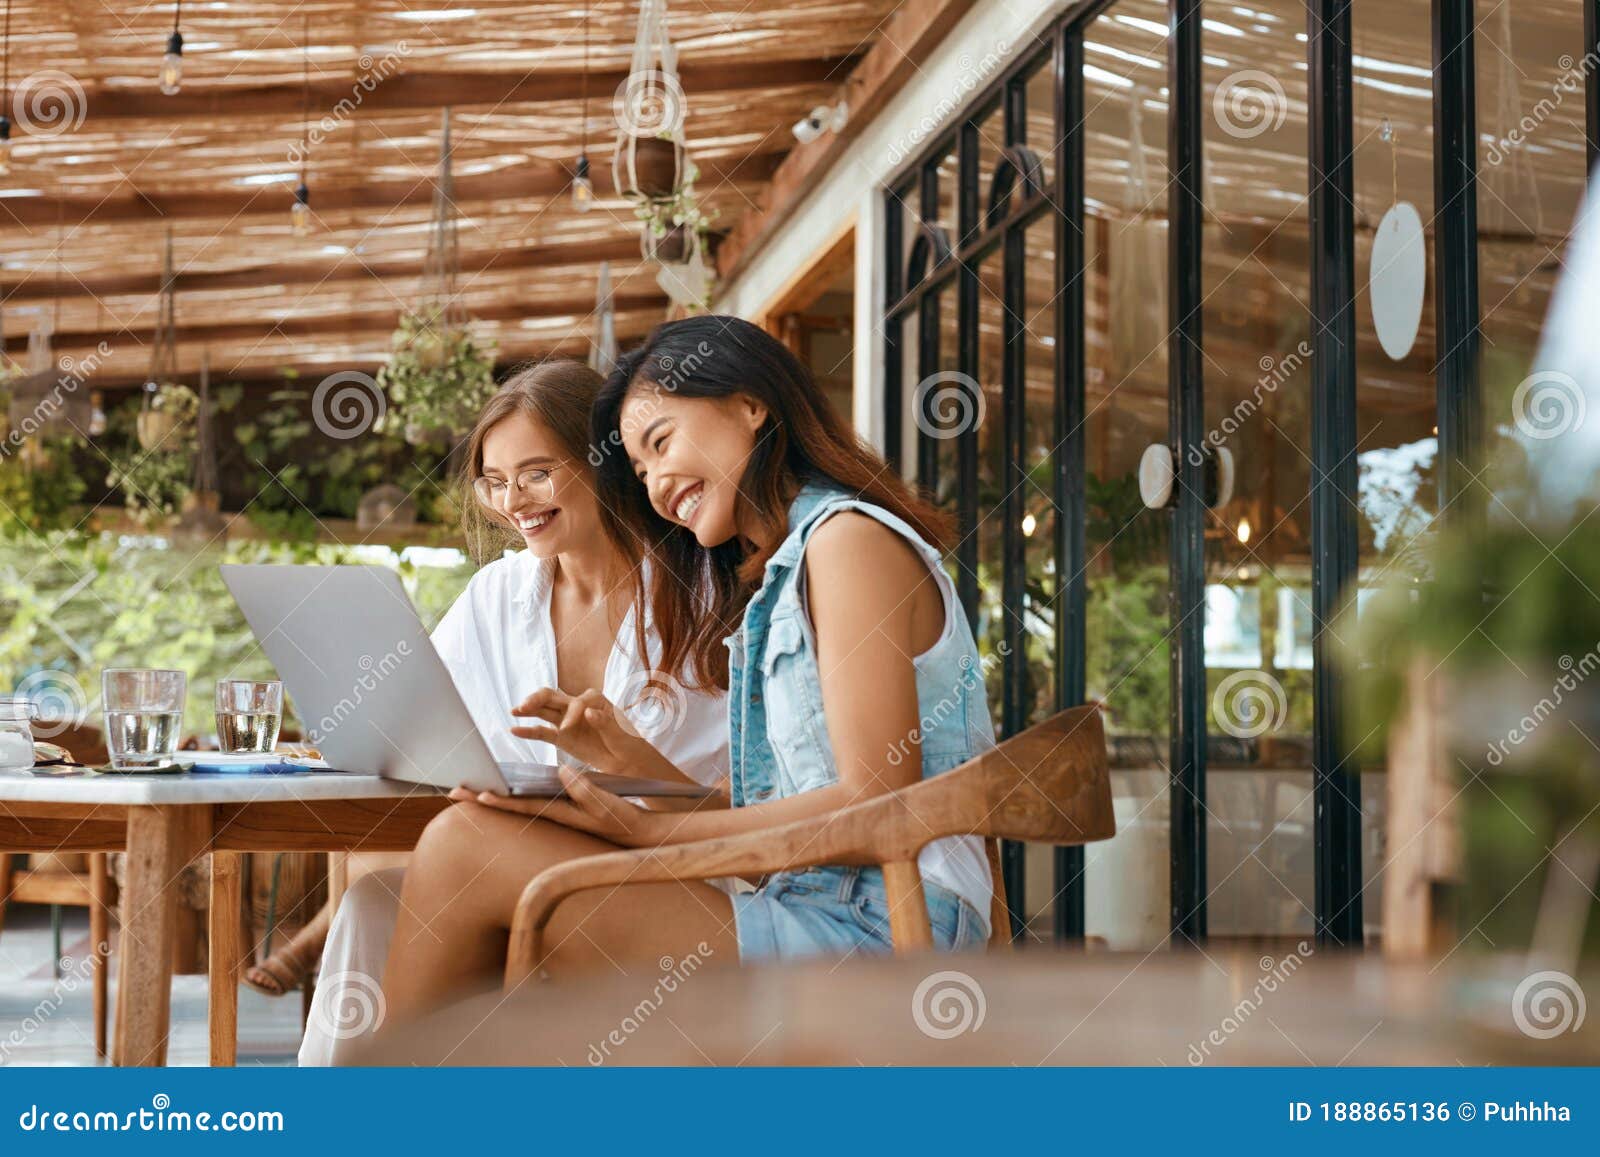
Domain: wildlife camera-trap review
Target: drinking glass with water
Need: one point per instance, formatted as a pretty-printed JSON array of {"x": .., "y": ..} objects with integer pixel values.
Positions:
[
  {"x": 248, "y": 714},
  {"x": 16, "y": 733},
  {"x": 144, "y": 716}
]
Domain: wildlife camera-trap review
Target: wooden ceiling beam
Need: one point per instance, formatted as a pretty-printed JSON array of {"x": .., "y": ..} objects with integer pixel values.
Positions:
[
  {"x": 371, "y": 321},
  {"x": 907, "y": 39},
  {"x": 45, "y": 286},
  {"x": 425, "y": 91},
  {"x": 532, "y": 180}
]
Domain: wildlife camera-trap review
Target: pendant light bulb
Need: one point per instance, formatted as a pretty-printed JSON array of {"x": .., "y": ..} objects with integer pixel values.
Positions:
[
  {"x": 5, "y": 146},
  {"x": 172, "y": 64},
  {"x": 582, "y": 186},
  {"x": 300, "y": 212}
]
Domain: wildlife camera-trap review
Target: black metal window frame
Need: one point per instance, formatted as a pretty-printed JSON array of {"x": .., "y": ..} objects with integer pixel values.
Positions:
[{"x": 916, "y": 289}]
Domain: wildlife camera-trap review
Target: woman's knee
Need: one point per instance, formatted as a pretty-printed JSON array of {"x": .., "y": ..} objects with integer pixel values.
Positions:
[{"x": 457, "y": 836}]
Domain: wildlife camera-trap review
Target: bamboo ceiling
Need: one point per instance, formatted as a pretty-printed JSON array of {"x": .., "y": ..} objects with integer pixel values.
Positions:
[{"x": 103, "y": 163}]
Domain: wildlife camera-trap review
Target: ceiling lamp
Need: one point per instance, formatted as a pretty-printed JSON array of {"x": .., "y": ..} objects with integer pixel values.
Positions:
[
  {"x": 172, "y": 62},
  {"x": 5, "y": 113},
  {"x": 300, "y": 211},
  {"x": 582, "y": 186}
]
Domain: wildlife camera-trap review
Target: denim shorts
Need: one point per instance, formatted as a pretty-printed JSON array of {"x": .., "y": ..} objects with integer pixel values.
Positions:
[{"x": 837, "y": 911}]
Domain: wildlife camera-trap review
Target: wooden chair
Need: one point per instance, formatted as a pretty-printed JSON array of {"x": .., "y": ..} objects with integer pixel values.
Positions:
[{"x": 1049, "y": 784}]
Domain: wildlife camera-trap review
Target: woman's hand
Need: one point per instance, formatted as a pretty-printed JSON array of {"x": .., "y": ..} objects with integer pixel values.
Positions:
[
  {"x": 589, "y": 728},
  {"x": 586, "y": 809}
]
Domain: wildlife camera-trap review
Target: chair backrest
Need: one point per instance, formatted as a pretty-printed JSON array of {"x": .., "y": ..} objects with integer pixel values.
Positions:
[{"x": 1050, "y": 783}]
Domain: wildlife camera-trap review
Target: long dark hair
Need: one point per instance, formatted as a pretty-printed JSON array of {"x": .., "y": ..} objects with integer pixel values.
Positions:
[{"x": 697, "y": 596}]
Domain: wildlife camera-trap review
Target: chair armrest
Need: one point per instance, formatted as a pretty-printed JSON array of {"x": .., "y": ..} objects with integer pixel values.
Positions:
[{"x": 871, "y": 832}]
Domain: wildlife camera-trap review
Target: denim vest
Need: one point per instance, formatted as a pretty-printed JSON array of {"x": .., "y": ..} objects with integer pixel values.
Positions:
[{"x": 778, "y": 736}]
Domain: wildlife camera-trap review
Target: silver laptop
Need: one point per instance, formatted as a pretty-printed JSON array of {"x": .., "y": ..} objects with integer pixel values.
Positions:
[{"x": 371, "y": 690}]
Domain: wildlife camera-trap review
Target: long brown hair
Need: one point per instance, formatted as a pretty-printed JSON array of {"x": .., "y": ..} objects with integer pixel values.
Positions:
[
  {"x": 697, "y": 596},
  {"x": 559, "y": 396}
]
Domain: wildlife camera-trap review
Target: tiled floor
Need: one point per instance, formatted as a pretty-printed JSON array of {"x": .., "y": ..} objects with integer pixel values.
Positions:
[{"x": 46, "y": 1021}]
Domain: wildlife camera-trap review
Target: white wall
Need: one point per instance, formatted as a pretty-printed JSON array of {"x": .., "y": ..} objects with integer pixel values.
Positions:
[{"x": 981, "y": 47}]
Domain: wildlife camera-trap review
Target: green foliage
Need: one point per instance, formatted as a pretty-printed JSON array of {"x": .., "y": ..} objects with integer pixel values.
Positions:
[
  {"x": 295, "y": 487},
  {"x": 40, "y": 486},
  {"x": 154, "y": 483},
  {"x": 80, "y": 604},
  {"x": 437, "y": 378}
]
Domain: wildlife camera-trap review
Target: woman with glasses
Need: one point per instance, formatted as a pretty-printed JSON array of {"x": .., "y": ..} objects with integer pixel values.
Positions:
[{"x": 558, "y": 621}]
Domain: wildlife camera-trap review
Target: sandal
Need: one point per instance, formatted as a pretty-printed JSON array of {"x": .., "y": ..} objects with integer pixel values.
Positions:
[{"x": 282, "y": 972}]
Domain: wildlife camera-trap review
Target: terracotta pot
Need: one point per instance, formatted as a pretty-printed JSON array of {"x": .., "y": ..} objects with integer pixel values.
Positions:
[
  {"x": 155, "y": 429},
  {"x": 655, "y": 167},
  {"x": 672, "y": 247}
]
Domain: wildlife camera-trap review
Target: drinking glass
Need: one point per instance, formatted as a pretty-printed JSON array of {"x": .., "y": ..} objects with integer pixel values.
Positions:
[
  {"x": 144, "y": 716},
  {"x": 248, "y": 714},
  {"x": 16, "y": 733}
]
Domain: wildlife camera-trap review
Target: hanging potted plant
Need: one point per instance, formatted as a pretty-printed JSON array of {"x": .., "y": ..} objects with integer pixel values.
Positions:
[
  {"x": 168, "y": 410},
  {"x": 437, "y": 378},
  {"x": 674, "y": 230}
]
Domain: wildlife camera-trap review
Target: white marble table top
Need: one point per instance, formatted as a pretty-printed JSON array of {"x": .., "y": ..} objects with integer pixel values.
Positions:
[{"x": 182, "y": 787}]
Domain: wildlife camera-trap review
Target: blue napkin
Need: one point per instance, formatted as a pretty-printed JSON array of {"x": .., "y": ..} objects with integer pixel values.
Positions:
[{"x": 206, "y": 763}]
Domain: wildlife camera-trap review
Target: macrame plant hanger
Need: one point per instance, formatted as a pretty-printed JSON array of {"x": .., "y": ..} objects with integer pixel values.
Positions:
[
  {"x": 440, "y": 303},
  {"x": 651, "y": 110}
]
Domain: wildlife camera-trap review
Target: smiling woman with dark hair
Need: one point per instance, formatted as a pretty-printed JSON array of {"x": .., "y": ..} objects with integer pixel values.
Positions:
[{"x": 792, "y": 566}]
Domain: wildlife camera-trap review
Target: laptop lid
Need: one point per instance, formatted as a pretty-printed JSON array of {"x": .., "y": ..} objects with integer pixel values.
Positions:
[{"x": 365, "y": 678}]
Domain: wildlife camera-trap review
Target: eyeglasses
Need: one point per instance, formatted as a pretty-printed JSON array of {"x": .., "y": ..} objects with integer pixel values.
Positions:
[{"x": 534, "y": 482}]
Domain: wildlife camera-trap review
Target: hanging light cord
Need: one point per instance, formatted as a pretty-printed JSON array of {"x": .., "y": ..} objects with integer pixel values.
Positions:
[
  {"x": 584, "y": 151},
  {"x": 7, "y": 81},
  {"x": 305, "y": 97},
  {"x": 176, "y": 9}
]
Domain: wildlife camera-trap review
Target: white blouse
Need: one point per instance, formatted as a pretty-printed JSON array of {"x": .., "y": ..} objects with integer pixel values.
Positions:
[{"x": 497, "y": 641}]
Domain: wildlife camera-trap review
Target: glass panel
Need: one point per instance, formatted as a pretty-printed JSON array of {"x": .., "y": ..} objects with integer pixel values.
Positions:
[
  {"x": 1125, "y": 54},
  {"x": 1531, "y": 172},
  {"x": 1042, "y": 118},
  {"x": 1395, "y": 395},
  {"x": 991, "y": 140},
  {"x": 907, "y": 417},
  {"x": 1257, "y": 327},
  {"x": 1039, "y": 464},
  {"x": 991, "y": 478},
  {"x": 950, "y": 194}
]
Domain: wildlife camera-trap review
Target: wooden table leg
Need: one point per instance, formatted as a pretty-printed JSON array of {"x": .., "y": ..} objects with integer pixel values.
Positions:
[
  {"x": 162, "y": 841},
  {"x": 227, "y": 953},
  {"x": 99, "y": 942}
]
